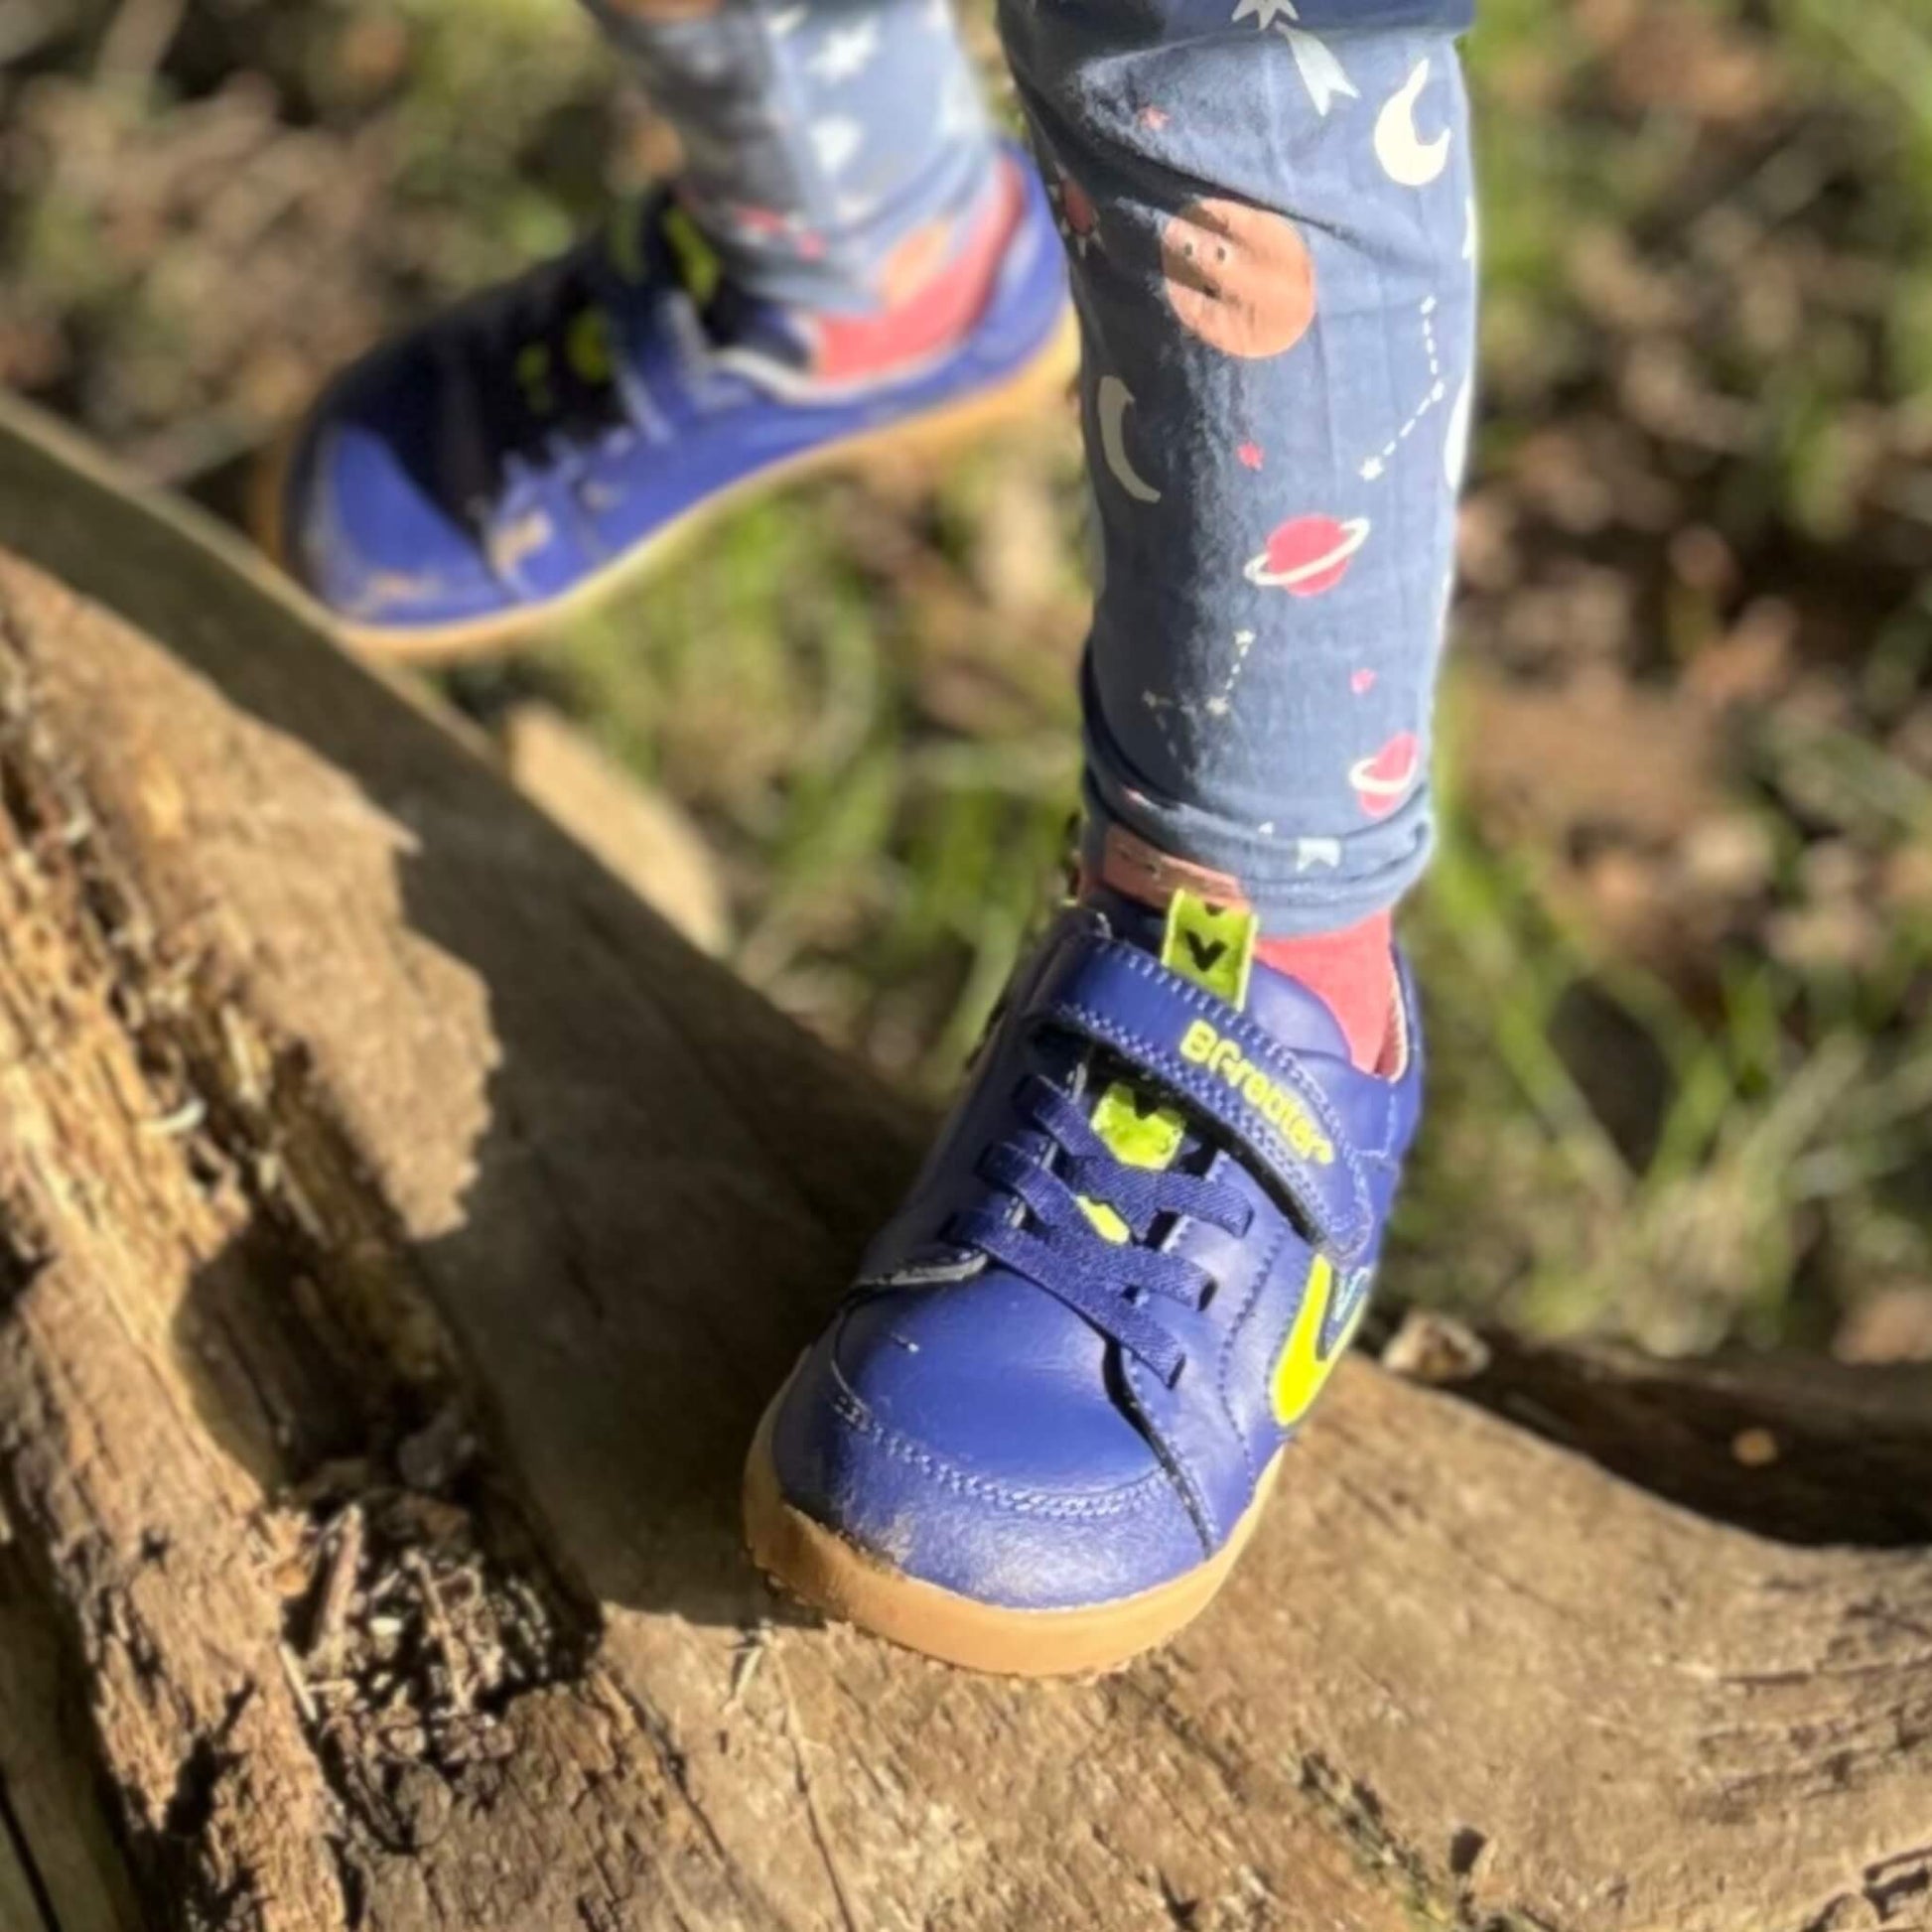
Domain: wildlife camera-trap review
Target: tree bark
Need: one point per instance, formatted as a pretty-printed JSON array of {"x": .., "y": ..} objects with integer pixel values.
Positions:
[{"x": 400, "y": 1230}]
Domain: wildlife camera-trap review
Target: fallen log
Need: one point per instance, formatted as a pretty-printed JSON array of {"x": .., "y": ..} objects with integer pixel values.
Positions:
[{"x": 400, "y": 1229}]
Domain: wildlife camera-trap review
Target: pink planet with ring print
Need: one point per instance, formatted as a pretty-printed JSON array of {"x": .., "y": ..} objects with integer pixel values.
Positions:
[
  {"x": 1308, "y": 555},
  {"x": 1384, "y": 780}
]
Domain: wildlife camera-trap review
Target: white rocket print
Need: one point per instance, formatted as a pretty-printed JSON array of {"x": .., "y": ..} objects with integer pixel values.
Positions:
[{"x": 1321, "y": 73}]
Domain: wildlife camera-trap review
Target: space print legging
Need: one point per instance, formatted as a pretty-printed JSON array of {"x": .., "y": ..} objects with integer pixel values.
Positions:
[{"x": 1269, "y": 218}]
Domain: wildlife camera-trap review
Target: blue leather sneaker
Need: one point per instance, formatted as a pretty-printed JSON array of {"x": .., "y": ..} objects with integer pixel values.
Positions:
[
  {"x": 462, "y": 486},
  {"x": 1041, "y": 1427}
]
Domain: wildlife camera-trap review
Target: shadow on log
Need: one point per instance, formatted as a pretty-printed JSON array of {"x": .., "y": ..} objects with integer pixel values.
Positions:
[{"x": 399, "y": 1232}]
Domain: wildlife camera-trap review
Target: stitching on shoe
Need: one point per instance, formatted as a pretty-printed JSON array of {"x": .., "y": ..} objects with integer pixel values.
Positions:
[
  {"x": 1256, "y": 1293},
  {"x": 1206, "y": 1519},
  {"x": 1024, "y": 1502}
]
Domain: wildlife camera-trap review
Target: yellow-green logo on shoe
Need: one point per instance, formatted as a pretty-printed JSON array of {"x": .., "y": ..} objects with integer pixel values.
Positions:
[
  {"x": 1324, "y": 1325},
  {"x": 1281, "y": 1109}
]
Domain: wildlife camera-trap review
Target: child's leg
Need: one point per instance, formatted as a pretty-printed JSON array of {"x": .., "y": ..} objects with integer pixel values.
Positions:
[
  {"x": 826, "y": 146},
  {"x": 1269, "y": 222},
  {"x": 848, "y": 253},
  {"x": 1038, "y": 1434}
]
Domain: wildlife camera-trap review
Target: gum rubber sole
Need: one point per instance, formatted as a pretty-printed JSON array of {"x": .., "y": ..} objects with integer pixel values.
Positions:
[
  {"x": 1037, "y": 384},
  {"x": 820, "y": 1567}
]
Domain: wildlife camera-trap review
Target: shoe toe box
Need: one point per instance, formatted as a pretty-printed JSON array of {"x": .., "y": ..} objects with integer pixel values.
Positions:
[
  {"x": 970, "y": 1437},
  {"x": 369, "y": 500}
]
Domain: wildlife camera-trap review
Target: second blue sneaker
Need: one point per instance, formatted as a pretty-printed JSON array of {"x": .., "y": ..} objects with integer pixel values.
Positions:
[
  {"x": 463, "y": 486},
  {"x": 1040, "y": 1431}
]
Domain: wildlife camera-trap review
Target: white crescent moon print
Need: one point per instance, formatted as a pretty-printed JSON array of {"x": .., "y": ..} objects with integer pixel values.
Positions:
[
  {"x": 1407, "y": 159},
  {"x": 1110, "y": 404}
]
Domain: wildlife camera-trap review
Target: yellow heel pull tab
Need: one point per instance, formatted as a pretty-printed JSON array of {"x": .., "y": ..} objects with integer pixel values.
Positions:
[{"x": 1212, "y": 945}]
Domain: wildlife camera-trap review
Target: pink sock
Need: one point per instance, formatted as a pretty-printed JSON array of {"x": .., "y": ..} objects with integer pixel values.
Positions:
[
  {"x": 932, "y": 291},
  {"x": 1352, "y": 973}
]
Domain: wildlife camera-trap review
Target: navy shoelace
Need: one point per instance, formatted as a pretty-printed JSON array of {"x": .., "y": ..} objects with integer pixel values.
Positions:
[
  {"x": 542, "y": 368},
  {"x": 1056, "y": 1246},
  {"x": 539, "y": 359}
]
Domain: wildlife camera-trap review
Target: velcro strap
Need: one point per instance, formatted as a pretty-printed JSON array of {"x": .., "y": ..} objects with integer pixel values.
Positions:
[{"x": 1183, "y": 1039}]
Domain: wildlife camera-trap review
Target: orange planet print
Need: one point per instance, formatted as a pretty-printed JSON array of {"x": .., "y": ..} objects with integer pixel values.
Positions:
[{"x": 1239, "y": 277}]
